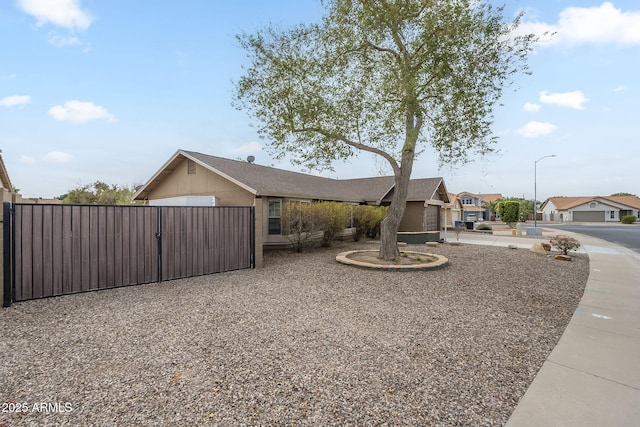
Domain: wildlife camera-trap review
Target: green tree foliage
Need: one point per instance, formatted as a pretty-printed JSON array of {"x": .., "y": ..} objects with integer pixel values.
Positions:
[
  {"x": 628, "y": 219},
  {"x": 509, "y": 212},
  {"x": 99, "y": 193},
  {"x": 491, "y": 207},
  {"x": 387, "y": 77},
  {"x": 624, "y": 194},
  {"x": 526, "y": 207}
]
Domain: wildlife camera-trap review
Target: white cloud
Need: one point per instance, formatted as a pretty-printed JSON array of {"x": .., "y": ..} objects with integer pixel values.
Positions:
[
  {"x": 604, "y": 24},
  {"x": 535, "y": 129},
  {"x": 80, "y": 112},
  {"x": 14, "y": 100},
  {"x": 57, "y": 157},
  {"x": 574, "y": 99},
  {"x": 529, "y": 106},
  {"x": 249, "y": 148},
  {"x": 57, "y": 40},
  {"x": 620, "y": 88},
  {"x": 8, "y": 77},
  {"x": 62, "y": 13},
  {"x": 27, "y": 160}
]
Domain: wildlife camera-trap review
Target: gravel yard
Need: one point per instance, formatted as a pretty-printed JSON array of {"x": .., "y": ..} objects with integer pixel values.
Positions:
[{"x": 303, "y": 341}]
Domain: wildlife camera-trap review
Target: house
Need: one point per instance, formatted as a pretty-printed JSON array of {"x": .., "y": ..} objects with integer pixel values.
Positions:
[
  {"x": 453, "y": 210},
  {"x": 590, "y": 208},
  {"x": 473, "y": 206},
  {"x": 7, "y": 191},
  {"x": 191, "y": 178}
]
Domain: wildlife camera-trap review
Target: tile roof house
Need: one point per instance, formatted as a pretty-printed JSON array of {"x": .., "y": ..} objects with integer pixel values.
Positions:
[
  {"x": 472, "y": 205},
  {"x": 191, "y": 178},
  {"x": 590, "y": 208},
  {"x": 453, "y": 210}
]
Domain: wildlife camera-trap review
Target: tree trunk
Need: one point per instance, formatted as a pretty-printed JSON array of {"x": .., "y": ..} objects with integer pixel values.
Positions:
[{"x": 391, "y": 222}]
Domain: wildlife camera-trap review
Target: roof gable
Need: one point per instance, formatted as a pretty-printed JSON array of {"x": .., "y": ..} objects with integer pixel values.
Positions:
[
  {"x": 5, "y": 182},
  {"x": 564, "y": 203}
]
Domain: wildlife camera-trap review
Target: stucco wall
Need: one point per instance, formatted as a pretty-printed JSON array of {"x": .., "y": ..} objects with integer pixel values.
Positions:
[
  {"x": 201, "y": 183},
  {"x": 413, "y": 219}
]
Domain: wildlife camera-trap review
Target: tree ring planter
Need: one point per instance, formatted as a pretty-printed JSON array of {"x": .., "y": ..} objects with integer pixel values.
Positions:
[
  {"x": 418, "y": 237},
  {"x": 409, "y": 261}
]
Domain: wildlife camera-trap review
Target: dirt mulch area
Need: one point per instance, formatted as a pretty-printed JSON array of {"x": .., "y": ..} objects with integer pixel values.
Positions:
[{"x": 303, "y": 341}]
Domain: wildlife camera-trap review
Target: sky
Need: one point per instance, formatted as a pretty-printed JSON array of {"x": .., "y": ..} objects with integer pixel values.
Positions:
[{"x": 109, "y": 90}]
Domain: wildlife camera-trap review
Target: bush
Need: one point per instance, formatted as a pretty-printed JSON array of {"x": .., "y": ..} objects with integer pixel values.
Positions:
[
  {"x": 484, "y": 227},
  {"x": 564, "y": 244},
  {"x": 509, "y": 212},
  {"x": 366, "y": 220},
  {"x": 334, "y": 217},
  {"x": 628, "y": 219},
  {"x": 303, "y": 221}
]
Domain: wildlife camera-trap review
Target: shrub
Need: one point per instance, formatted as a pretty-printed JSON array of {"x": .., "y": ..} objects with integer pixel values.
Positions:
[
  {"x": 484, "y": 227},
  {"x": 366, "y": 220},
  {"x": 564, "y": 243},
  {"x": 458, "y": 230},
  {"x": 509, "y": 212},
  {"x": 303, "y": 221},
  {"x": 628, "y": 219},
  {"x": 334, "y": 217}
]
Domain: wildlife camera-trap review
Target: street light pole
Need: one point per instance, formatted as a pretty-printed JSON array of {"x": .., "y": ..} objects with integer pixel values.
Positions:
[{"x": 535, "y": 189}]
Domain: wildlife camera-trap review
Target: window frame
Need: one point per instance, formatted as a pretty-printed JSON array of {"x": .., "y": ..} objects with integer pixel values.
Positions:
[{"x": 274, "y": 220}]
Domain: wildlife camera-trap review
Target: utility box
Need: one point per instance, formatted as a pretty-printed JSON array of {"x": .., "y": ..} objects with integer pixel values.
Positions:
[{"x": 186, "y": 201}]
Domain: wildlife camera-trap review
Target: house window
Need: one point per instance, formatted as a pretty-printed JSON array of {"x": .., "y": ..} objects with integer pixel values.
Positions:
[
  {"x": 191, "y": 167},
  {"x": 612, "y": 215},
  {"x": 467, "y": 201},
  {"x": 274, "y": 214},
  {"x": 593, "y": 205}
]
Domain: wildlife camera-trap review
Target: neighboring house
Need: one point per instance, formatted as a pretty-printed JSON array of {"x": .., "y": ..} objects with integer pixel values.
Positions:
[
  {"x": 452, "y": 210},
  {"x": 590, "y": 208},
  {"x": 7, "y": 191},
  {"x": 190, "y": 178},
  {"x": 472, "y": 206}
]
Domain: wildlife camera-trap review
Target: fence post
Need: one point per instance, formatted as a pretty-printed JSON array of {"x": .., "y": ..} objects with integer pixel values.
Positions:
[
  {"x": 5, "y": 252},
  {"x": 258, "y": 213},
  {"x": 159, "y": 241}
]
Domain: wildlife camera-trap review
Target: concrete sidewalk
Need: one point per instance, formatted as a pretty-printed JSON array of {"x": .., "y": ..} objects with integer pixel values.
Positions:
[{"x": 592, "y": 376}]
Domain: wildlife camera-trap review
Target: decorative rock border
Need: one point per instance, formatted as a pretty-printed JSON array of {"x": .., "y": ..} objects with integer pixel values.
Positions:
[{"x": 440, "y": 262}]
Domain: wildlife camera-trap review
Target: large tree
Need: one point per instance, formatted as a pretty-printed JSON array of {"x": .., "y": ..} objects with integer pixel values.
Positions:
[
  {"x": 389, "y": 77},
  {"x": 99, "y": 193}
]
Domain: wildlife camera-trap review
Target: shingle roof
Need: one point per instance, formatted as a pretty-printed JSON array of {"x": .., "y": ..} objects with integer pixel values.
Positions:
[{"x": 267, "y": 181}]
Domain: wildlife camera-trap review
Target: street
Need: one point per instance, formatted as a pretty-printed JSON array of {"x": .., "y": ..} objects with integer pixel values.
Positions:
[{"x": 623, "y": 235}]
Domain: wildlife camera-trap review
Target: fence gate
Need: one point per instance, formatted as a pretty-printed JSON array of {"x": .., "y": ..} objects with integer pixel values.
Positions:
[{"x": 52, "y": 250}]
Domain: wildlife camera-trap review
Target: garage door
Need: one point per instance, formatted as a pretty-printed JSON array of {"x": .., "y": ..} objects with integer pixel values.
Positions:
[{"x": 590, "y": 216}]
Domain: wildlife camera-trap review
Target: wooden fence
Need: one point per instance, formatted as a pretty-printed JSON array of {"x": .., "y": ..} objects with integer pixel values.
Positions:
[{"x": 54, "y": 250}]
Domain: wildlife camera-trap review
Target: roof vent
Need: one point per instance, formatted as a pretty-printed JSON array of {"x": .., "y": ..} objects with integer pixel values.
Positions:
[{"x": 251, "y": 159}]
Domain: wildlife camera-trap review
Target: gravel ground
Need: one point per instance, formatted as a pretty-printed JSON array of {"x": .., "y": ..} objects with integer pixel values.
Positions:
[{"x": 303, "y": 341}]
